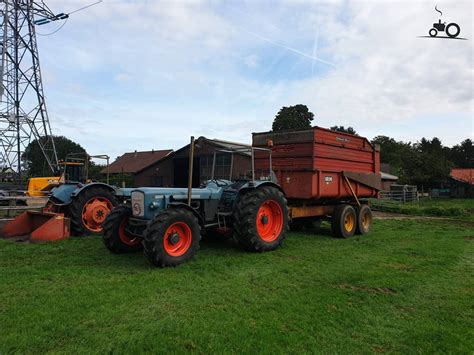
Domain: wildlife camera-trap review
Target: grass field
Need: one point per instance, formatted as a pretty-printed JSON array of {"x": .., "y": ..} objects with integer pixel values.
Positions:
[
  {"x": 462, "y": 209},
  {"x": 407, "y": 287}
]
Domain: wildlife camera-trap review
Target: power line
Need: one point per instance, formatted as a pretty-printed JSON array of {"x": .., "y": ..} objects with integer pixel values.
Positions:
[
  {"x": 52, "y": 33},
  {"x": 85, "y": 7}
]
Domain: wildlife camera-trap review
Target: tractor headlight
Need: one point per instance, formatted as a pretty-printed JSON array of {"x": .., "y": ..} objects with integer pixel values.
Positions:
[{"x": 138, "y": 203}]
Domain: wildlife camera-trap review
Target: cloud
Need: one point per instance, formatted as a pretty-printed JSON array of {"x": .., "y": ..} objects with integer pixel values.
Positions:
[
  {"x": 148, "y": 74},
  {"x": 252, "y": 61}
]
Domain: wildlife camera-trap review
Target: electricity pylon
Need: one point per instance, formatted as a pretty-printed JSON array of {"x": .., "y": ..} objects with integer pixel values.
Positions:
[{"x": 23, "y": 114}]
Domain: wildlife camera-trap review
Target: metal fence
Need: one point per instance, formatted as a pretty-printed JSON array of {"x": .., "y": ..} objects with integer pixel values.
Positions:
[{"x": 400, "y": 193}]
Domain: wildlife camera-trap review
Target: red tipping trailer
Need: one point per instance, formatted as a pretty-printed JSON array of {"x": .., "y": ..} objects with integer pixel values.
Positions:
[{"x": 324, "y": 173}]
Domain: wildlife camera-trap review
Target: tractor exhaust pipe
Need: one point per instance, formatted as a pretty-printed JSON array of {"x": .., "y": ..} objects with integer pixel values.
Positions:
[{"x": 190, "y": 170}]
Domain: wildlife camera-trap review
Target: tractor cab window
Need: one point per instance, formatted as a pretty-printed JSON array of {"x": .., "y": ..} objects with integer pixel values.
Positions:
[{"x": 222, "y": 168}]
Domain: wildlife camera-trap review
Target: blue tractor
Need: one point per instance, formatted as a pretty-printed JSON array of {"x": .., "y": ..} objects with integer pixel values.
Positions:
[{"x": 167, "y": 223}]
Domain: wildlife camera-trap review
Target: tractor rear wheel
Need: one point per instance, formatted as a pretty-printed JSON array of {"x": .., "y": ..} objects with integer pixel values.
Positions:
[
  {"x": 89, "y": 209},
  {"x": 172, "y": 238},
  {"x": 364, "y": 219},
  {"x": 261, "y": 219},
  {"x": 343, "y": 221},
  {"x": 115, "y": 237}
]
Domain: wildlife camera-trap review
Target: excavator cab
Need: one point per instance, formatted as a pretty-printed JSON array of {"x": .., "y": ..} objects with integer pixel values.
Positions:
[
  {"x": 73, "y": 170},
  {"x": 69, "y": 170}
]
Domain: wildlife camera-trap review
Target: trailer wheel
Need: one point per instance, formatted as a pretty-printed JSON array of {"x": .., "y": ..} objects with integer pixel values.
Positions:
[
  {"x": 115, "y": 236},
  {"x": 261, "y": 219},
  {"x": 364, "y": 219},
  {"x": 172, "y": 238},
  {"x": 90, "y": 208},
  {"x": 343, "y": 221}
]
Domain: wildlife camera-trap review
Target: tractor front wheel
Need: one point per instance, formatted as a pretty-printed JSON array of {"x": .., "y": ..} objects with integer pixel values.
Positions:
[
  {"x": 90, "y": 208},
  {"x": 261, "y": 219},
  {"x": 115, "y": 237},
  {"x": 172, "y": 238}
]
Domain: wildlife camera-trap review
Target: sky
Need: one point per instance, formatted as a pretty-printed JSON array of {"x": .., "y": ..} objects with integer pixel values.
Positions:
[{"x": 140, "y": 75}]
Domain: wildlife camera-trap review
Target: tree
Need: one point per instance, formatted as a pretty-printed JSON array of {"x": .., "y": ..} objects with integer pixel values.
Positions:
[
  {"x": 462, "y": 155},
  {"x": 349, "y": 130},
  {"x": 293, "y": 117},
  {"x": 425, "y": 163},
  {"x": 34, "y": 158},
  {"x": 394, "y": 153},
  {"x": 433, "y": 166}
]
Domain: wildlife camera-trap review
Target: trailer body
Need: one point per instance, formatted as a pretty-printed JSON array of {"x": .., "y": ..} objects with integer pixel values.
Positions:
[{"x": 317, "y": 165}]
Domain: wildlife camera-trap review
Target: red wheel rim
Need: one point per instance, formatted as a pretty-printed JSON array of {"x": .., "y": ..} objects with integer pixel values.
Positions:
[
  {"x": 269, "y": 221},
  {"x": 124, "y": 237},
  {"x": 94, "y": 212},
  {"x": 178, "y": 238}
]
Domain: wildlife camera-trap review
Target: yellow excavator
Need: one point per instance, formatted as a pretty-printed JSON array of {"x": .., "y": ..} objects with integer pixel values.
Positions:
[{"x": 72, "y": 169}]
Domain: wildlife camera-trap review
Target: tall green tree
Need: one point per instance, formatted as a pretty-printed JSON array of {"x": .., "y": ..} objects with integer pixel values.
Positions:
[
  {"x": 293, "y": 117},
  {"x": 343, "y": 129},
  {"x": 434, "y": 166},
  {"x": 393, "y": 153},
  {"x": 462, "y": 155},
  {"x": 425, "y": 163},
  {"x": 35, "y": 160}
]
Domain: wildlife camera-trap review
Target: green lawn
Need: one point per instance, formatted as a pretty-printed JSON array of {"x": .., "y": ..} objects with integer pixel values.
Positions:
[
  {"x": 462, "y": 209},
  {"x": 408, "y": 287}
]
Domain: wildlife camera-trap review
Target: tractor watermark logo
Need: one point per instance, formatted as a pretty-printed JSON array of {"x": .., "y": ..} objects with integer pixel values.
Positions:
[{"x": 452, "y": 30}]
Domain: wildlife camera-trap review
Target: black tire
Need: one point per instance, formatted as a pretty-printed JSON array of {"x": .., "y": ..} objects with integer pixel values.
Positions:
[
  {"x": 246, "y": 219},
  {"x": 78, "y": 225},
  {"x": 115, "y": 237},
  {"x": 343, "y": 221},
  {"x": 456, "y": 26},
  {"x": 156, "y": 237},
  {"x": 364, "y": 219},
  {"x": 433, "y": 32}
]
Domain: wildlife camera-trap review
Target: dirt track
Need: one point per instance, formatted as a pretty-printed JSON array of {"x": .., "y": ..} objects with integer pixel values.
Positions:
[{"x": 390, "y": 215}]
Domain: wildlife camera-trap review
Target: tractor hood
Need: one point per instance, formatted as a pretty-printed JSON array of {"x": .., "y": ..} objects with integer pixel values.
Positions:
[{"x": 146, "y": 202}]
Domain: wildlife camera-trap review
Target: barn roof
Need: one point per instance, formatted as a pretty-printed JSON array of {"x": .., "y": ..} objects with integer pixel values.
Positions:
[
  {"x": 136, "y": 161},
  {"x": 463, "y": 174}
]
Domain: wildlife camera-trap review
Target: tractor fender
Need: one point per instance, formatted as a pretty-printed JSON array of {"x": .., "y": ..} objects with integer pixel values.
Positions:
[
  {"x": 84, "y": 187},
  {"x": 187, "y": 207},
  {"x": 256, "y": 185},
  {"x": 63, "y": 194}
]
